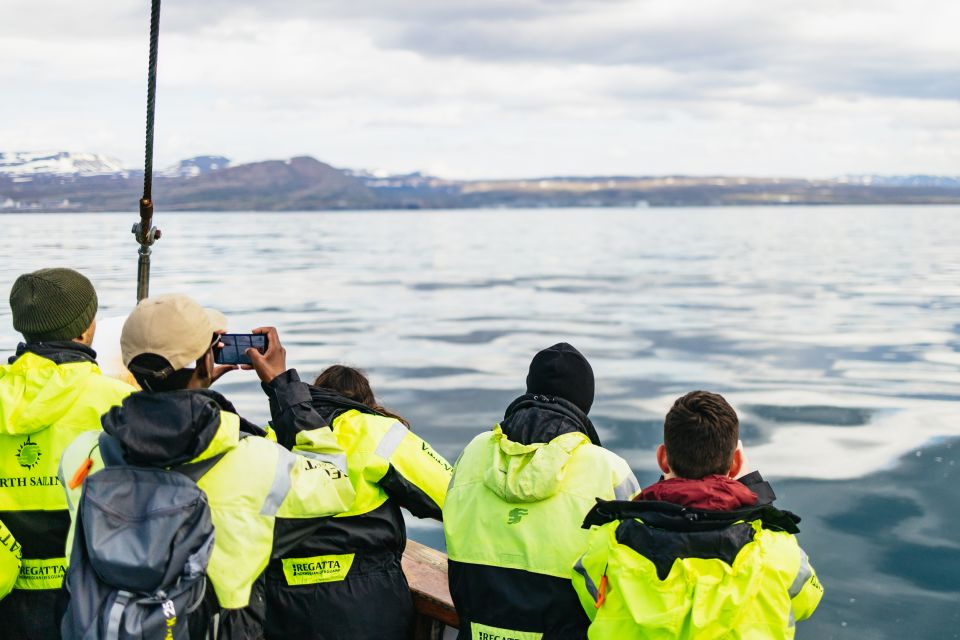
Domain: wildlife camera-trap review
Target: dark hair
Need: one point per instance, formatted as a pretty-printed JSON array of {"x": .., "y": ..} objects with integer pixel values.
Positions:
[
  {"x": 353, "y": 384},
  {"x": 700, "y": 433},
  {"x": 154, "y": 373}
]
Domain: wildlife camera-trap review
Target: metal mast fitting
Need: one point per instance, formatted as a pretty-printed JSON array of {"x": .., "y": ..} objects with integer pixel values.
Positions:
[{"x": 144, "y": 231}]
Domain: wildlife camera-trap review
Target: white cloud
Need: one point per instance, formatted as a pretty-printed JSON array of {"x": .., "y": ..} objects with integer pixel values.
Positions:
[{"x": 504, "y": 88}]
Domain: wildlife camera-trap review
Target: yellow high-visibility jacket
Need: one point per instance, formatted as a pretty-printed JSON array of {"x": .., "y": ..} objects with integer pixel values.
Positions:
[
  {"x": 658, "y": 571},
  {"x": 512, "y": 520},
  {"x": 46, "y": 401},
  {"x": 345, "y": 580},
  {"x": 253, "y": 486}
]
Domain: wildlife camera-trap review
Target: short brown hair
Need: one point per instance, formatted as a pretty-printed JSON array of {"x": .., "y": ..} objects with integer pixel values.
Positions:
[{"x": 700, "y": 433}]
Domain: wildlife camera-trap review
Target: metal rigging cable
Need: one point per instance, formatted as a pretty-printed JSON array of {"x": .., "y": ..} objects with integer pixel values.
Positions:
[{"x": 144, "y": 230}]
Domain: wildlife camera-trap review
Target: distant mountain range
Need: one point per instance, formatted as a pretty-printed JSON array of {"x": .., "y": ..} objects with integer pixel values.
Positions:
[{"x": 66, "y": 181}]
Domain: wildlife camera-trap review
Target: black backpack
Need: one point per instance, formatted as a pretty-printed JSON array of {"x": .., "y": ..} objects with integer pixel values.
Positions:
[{"x": 140, "y": 551}]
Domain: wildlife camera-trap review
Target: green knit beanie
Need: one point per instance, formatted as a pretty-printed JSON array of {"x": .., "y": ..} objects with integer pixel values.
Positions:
[{"x": 52, "y": 304}]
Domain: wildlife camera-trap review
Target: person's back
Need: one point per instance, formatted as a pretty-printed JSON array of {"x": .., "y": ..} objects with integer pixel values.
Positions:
[
  {"x": 698, "y": 554},
  {"x": 50, "y": 392},
  {"x": 514, "y": 508},
  {"x": 345, "y": 580},
  {"x": 253, "y": 484}
]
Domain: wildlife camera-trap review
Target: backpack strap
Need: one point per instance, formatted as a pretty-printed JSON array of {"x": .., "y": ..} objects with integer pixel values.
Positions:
[{"x": 116, "y": 614}]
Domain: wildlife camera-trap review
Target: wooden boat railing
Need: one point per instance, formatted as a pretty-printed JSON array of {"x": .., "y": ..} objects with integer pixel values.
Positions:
[{"x": 426, "y": 571}]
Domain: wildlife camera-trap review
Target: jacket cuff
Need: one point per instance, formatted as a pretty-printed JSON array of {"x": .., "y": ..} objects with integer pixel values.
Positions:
[{"x": 287, "y": 389}]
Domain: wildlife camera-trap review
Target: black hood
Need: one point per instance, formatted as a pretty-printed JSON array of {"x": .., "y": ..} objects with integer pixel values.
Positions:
[
  {"x": 537, "y": 418},
  {"x": 330, "y": 404},
  {"x": 59, "y": 351},
  {"x": 663, "y": 532},
  {"x": 169, "y": 428}
]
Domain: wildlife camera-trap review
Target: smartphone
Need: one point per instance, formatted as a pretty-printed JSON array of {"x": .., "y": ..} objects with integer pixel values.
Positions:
[{"x": 235, "y": 345}]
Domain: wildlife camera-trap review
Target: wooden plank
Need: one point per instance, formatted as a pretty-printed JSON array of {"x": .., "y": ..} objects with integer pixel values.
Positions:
[{"x": 426, "y": 571}]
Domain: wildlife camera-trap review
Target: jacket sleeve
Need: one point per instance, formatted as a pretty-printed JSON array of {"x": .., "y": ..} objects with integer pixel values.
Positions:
[
  {"x": 588, "y": 572},
  {"x": 625, "y": 484},
  {"x": 291, "y": 409},
  {"x": 318, "y": 481},
  {"x": 408, "y": 469},
  {"x": 805, "y": 590},
  {"x": 9, "y": 560}
]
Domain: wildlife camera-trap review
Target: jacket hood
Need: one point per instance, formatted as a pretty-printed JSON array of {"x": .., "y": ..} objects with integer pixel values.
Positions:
[
  {"x": 330, "y": 404},
  {"x": 171, "y": 428},
  {"x": 529, "y": 472},
  {"x": 715, "y": 493},
  {"x": 36, "y": 391},
  {"x": 533, "y": 418}
]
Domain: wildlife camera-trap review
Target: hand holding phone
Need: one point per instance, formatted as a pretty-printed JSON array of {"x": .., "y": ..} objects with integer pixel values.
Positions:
[
  {"x": 273, "y": 361},
  {"x": 232, "y": 348}
]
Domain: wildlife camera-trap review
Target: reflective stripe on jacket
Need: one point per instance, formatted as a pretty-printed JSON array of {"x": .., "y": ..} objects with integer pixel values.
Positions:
[
  {"x": 44, "y": 405},
  {"x": 735, "y": 579},
  {"x": 345, "y": 579},
  {"x": 512, "y": 525},
  {"x": 9, "y": 560},
  {"x": 251, "y": 488}
]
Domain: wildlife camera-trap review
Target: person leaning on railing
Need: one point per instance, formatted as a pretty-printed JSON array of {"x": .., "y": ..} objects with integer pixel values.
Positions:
[
  {"x": 345, "y": 580},
  {"x": 517, "y": 500},
  {"x": 702, "y": 553},
  {"x": 253, "y": 486}
]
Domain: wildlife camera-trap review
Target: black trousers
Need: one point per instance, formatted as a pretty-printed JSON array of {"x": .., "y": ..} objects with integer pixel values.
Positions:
[{"x": 32, "y": 615}]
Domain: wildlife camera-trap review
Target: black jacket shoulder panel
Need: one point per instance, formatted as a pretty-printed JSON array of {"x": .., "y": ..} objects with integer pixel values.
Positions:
[
  {"x": 663, "y": 548},
  {"x": 537, "y": 418},
  {"x": 673, "y": 517}
]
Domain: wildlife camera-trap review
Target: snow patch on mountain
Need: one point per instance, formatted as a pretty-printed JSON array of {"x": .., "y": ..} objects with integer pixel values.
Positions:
[
  {"x": 193, "y": 167},
  {"x": 61, "y": 163}
]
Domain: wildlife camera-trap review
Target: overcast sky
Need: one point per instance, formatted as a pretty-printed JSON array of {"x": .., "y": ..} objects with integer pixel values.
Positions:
[{"x": 497, "y": 88}]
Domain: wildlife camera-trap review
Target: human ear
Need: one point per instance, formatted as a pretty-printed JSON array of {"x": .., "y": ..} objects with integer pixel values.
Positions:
[
  {"x": 738, "y": 463},
  {"x": 203, "y": 373},
  {"x": 662, "y": 461},
  {"x": 86, "y": 337}
]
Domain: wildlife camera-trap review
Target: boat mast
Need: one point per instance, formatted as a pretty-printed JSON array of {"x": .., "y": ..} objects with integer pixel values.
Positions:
[{"x": 144, "y": 231}]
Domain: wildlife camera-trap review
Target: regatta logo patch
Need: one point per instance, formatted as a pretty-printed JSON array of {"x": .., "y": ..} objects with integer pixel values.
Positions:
[
  {"x": 485, "y": 632},
  {"x": 317, "y": 569},
  {"x": 29, "y": 454},
  {"x": 515, "y": 515},
  {"x": 41, "y": 574}
]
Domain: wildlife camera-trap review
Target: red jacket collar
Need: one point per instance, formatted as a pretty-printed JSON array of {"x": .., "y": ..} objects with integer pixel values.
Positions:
[{"x": 714, "y": 493}]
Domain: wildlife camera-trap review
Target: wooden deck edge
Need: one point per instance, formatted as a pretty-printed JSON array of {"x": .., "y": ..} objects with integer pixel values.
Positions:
[{"x": 426, "y": 571}]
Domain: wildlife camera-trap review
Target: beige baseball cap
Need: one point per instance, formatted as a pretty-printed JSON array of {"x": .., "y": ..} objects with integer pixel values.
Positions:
[{"x": 173, "y": 326}]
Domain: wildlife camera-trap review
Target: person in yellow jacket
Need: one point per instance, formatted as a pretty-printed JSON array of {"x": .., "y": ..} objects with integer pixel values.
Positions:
[
  {"x": 253, "y": 487},
  {"x": 518, "y": 496},
  {"x": 345, "y": 580},
  {"x": 9, "y": 560},
  {"x": 699, "y": 554},
  {"x": 50, "y": 392}
]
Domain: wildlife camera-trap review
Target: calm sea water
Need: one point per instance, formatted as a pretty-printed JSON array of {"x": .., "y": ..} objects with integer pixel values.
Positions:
[{"x": 835, "y": 332}]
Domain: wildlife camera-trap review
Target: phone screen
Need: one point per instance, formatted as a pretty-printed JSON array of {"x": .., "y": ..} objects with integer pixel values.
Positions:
[{"x": 235, "y": 346}]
